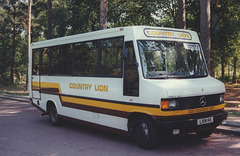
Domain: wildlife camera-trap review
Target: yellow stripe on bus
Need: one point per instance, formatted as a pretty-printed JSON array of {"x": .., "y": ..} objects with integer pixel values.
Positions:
[
  {"x": 132, "y": 108},
  {"x": 37, "y": 85},
  {"x": 123, "y": 107},
  {"x": 111, "y": 105},
  {"x": 192, "y": 111}
]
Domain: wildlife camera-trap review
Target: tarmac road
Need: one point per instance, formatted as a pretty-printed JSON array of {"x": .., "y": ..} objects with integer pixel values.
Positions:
[{"x": 23, "y": 132}]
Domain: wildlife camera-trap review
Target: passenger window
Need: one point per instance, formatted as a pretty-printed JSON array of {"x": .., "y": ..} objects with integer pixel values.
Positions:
[
  {"x": 61, "y": 60},
  {"x": 111, "y": 63},
  {"x": 86, "y": 58},
  {"x": 45, "y": 62}
]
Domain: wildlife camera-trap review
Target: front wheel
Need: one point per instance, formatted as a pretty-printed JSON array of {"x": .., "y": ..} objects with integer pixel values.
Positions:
[
  {"x": 53, "y": 116},
  {"x": 144, "y": 133}
]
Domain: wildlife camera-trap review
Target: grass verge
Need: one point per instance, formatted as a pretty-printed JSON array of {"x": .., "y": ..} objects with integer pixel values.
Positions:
[
  {"x": 233, "y": 113},
  {"x": 14, "y": 89}
]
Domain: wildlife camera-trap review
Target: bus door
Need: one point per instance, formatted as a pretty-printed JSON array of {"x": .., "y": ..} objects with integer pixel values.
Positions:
[
  {"x": 36, "y": 74},
  {"x": 131, "y": 77}
]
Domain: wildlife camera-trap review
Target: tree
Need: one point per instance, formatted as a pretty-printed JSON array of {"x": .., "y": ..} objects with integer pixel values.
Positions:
[
  {"x": 14, "y": 17},
  {"x": 28, "y": 38},
  {"x": 52, "y": 19},
  {"x": 205, "y": 36},
  {"x": 49, "y": 6},
  {"x": 193, "y": 15},
  {"x": 235, "y": 59},
  {"x": 14, "y": 14},
  {"x": 103, "y": 14},
  {"x": 5, "y": 40},
  {"x": 134, "y": 12},
  {"x": 181, "y": 14},
  {"x": 172, "y": 7},
  {"x": 225, "y": 33}
]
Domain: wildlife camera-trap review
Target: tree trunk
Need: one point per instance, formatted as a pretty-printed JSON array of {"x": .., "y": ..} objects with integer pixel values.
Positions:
[
  {"x": 13, "y": 48},
  {"x": 213, "y": 69},
  {"x": 223, "y": 68},
  {"x": 234, "y": 69},
  {"x": 173, "y": 12},
  {"x": 28, "y": 38},
  {"x": 103, "y": 14},
  {"x": 205, "y": 37},
  {"x": 181, "y": 14},
  {"x": 229, "y": 68},
  {"x": 49, "y": 5}
]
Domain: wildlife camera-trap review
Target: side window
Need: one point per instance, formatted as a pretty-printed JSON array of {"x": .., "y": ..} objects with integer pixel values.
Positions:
[
  {"x": 45, "y": 61},
  {"x": 61, "y": 60},
  {"x": 35, "y": 62},
  {"x": 54, "y": 60},
  {"x": 111, "y": 63},
  {"x": 131, "y": 77},
  {"x": 86, "y": 58}
]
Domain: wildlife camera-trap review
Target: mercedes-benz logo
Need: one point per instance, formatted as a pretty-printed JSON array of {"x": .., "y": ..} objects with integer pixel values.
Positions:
[{"x": 203, "y": 101}]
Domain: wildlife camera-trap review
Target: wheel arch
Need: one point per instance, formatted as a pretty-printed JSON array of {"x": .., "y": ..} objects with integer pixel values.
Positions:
[
  {"x": 142, "y": 128},
  {"x": 49, "y": 104},
  {"x": 135, "y": 115}
]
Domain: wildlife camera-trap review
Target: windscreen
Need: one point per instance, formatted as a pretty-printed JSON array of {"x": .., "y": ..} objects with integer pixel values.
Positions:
[{"x": 170, "y": 59}]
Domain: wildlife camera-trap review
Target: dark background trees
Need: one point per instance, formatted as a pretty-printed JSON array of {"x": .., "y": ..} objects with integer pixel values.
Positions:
[
  {"x": 205, "y": 37},
  {"x": 57, "y": 18}
]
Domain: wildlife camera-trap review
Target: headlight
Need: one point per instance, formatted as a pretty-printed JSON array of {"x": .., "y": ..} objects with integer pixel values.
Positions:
[
  {"x": 221, "y": 99},
  {"x": 172, "y": 104},
  {"x": 169, "y": 105}
]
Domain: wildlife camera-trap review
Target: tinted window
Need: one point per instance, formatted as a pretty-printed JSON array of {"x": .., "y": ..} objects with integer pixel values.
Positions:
[
  {"x": 110, "y": 64},
  {"x": 61, "y": 60},
  {"x": 92, "y": 58},
  {"x": 86, "y": 58},
  {"x": 45, "y": 61},
  {"x": 35, "y": 62}
]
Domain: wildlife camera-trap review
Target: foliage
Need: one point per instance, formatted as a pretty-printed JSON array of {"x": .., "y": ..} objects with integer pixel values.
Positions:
[
  {"x": 71, "y": 17},
  {"x": 12, "y": 26},
  {"x": 225, "y": 32},
  {"x": 132, "y": 12}
]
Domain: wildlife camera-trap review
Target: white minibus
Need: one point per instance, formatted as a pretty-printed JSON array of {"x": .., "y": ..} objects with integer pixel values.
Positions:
[{"x": 140, "y": 81}]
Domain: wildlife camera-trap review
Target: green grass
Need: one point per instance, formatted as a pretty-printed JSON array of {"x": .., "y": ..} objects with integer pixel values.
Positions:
[
  {"x": 231, "y": 113},
  {"x": 14, "y": 89},
  {"x": 237, "y": 105}
]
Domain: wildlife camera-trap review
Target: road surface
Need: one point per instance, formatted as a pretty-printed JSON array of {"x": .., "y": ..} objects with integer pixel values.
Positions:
[{"x": 23, "y": 132}]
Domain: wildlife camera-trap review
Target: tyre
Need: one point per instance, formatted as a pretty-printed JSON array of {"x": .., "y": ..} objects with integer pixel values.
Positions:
[
  {"x": 144, "y": 133},
  {"x": 53, "y": 116},
  {"x": 205, "y": 133}
]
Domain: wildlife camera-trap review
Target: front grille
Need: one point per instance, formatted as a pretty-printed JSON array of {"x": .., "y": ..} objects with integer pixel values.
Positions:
[{"x": 194, "y": 102}]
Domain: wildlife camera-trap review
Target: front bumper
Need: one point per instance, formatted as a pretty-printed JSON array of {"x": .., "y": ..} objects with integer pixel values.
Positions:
[{"x": 189, "y": 124}]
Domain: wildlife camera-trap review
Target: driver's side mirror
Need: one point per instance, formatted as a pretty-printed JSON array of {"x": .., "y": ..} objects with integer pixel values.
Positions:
[{"x": 125, "y": 53}]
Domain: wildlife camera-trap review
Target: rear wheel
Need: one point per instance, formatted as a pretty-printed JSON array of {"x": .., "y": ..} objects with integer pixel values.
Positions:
[
  {"x": 53, "y": 115},
  {"x": 144, "y": 133}
]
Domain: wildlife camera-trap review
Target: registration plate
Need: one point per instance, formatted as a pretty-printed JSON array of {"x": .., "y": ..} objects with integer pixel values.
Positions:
[{"x": 204, "y": 121}]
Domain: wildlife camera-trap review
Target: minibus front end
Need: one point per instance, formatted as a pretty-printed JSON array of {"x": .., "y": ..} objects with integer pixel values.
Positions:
[
  {"x": 174, "y": 74},
  {"x": 195, "y": 105}
]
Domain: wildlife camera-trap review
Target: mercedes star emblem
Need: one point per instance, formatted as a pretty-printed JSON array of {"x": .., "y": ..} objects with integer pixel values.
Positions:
[{"x": 203, "y": 101}]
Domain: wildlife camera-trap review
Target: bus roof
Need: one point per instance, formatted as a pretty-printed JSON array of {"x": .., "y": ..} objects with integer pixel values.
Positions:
[{"x": 130, "y": 33}]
